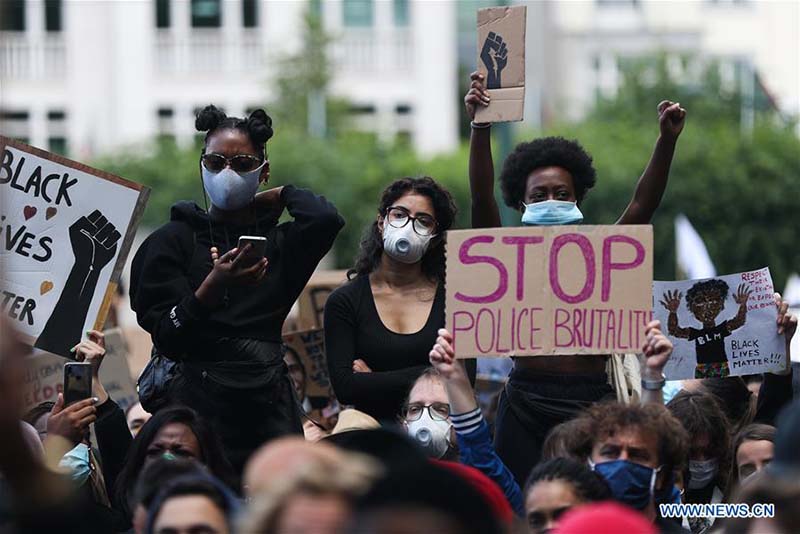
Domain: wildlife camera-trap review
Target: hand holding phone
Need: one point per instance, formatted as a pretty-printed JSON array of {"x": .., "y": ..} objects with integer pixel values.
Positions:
[
  {"x": 77, "y": 382},
  {"x": 71, "y": 422},
  {"x": 256, "y": 251},
  {"x": 244, "y": 265}
]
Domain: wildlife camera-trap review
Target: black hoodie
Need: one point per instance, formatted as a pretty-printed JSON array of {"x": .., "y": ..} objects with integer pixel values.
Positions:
[{"x": 175, "y": 259}]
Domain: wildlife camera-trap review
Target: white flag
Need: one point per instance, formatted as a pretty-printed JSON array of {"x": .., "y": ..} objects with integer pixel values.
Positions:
[
  {"x": 693, "y": 259},
  {"x": 792, "y": 295},
  {"x": 792, "y": 292}
]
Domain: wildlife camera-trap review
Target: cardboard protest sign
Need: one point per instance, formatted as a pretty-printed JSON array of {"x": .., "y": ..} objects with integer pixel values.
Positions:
[
  {"x": 44, "y": 377},
  {"x": 308, "y": 349},
  {"x": 720, "y": 326},
  {"x": 66, "y": 231},
  {"x": 312, "y": 300},
  {"x": 115, "y": 372},
  {"x": 501, "y": 59},
  {"x": 547, "y": 290}
]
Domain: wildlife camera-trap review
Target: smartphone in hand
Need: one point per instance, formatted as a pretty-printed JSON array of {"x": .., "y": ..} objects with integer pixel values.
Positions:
[
  {"x": 258, "y": 247},
  {"x": 77, "y": 382}
]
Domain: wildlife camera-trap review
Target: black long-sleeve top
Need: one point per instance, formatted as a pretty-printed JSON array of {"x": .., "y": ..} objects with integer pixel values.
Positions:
[
  {"x": 174, "y": 260},
  {"x": 354, "y": 330},
  {"x": 113, "y": 441},
  {"x": 775, "y": 393}
]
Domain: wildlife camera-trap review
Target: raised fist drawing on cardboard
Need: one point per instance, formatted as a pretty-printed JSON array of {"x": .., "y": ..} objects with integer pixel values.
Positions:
[
  {"x": 94, "y": 243},
  {"x": 494, "y": 55}
]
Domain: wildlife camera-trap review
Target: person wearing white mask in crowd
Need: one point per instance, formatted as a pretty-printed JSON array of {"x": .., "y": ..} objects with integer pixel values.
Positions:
[
  {"x": 218, "y": 308},
  {"x": 705, "y": 479},
  {"x": 380, "y": 326},
  {"x": 426, "y": 417}
]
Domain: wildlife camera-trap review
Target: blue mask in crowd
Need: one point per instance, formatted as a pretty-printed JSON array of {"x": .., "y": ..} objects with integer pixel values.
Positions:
[
  {"x": 551, "y": 213},
  {"x": 630, "y": 483},
  {"x": 669, "y": 493},
  {"x": 76, "y": 464}
]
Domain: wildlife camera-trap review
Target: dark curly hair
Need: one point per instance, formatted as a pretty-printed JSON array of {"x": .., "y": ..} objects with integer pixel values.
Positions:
[
  {"x": 444, "y": 210},
  {"x": 607, "y": 418},
  {"x": 258, "y": 126},
  {"x": 715, "y": 285},
  {"x": 587, "y": 485},
  {"x": 700, "y": 413},
  {"x": 545, "y": 152}
]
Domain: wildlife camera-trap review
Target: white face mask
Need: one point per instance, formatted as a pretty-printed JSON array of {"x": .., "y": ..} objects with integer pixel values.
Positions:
[
  {"x": 702, "y": 473},
  {"x": 230, "y": 190},
  {"x": 432, "y": 435},
  {"x": 404, "y": 244}
]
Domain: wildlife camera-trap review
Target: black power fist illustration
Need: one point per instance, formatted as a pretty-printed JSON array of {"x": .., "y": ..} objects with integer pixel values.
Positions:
[
  {"x": 94, "y": 243},
  {"x": 494, "y": 55}
]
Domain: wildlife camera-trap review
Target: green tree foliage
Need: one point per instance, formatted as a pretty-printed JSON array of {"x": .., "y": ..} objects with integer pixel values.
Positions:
[
  {"x": 304, "y": 75},
  {"x": 740, "y": 191},
  {"x": 351, "y": 170}
]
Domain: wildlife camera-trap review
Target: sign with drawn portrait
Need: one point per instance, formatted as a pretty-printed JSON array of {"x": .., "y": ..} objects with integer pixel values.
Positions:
[
  {"x": 549, "y": 290},
  {"x": 721, "y": 326},
  {"x": 65, "y": 232}
]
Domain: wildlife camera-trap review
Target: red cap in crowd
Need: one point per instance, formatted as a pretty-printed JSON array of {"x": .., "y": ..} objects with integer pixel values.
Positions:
[
  {"x": 490, "y": 491},
  {"x": 604, "y": 518}
]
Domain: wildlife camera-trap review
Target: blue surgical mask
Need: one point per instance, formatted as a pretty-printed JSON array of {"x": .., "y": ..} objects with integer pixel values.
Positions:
[
  {"x": 76, "y": 464},
  {"x": 669, "y": 493},
  {"x": 230, "y": 190},
  {"x": 551, "y": 213},
  {"x": 630, "y": 483}
]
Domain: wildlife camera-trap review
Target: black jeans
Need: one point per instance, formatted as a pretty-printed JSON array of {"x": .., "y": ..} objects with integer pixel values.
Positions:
[
  {"x": 247, "y": 398},
  {"x": 531, "y": 405}
]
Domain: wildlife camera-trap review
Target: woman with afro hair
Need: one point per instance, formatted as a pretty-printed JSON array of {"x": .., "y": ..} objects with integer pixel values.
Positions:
[
  {"x": 546, "y": 179},
  {"x": 217, "y": 308}
]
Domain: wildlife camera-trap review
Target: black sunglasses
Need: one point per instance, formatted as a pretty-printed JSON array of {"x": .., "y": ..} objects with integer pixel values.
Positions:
[{"x": 240, "y": 163}]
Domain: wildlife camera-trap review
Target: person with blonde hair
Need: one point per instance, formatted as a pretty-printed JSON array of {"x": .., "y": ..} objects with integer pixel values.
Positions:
[{"x": 316, "y": 497}]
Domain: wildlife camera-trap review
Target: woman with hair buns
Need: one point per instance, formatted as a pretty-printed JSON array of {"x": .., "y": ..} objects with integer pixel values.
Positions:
[{"x": 219, "y": 309}]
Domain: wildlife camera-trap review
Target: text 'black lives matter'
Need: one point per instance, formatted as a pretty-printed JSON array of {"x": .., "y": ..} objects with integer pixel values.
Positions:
[{"x": 53, "y": 188}]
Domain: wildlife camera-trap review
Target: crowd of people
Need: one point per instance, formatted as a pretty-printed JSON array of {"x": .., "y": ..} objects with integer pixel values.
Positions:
[{"x": 222, "y": 440}]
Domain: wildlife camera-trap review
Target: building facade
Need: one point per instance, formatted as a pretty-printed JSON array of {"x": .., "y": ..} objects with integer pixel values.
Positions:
[
  {"x": 87, "y": 77},
  {"x": 577, "y": 49}
]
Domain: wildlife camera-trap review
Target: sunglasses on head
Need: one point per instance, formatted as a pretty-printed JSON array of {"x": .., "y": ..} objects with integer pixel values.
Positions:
[{"x": 239, "y": 163}]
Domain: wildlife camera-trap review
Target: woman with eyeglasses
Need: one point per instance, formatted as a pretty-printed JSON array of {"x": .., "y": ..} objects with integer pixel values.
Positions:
[
  {"x": 218, "y": 308},
  {"x": 380, "y": 326}
]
